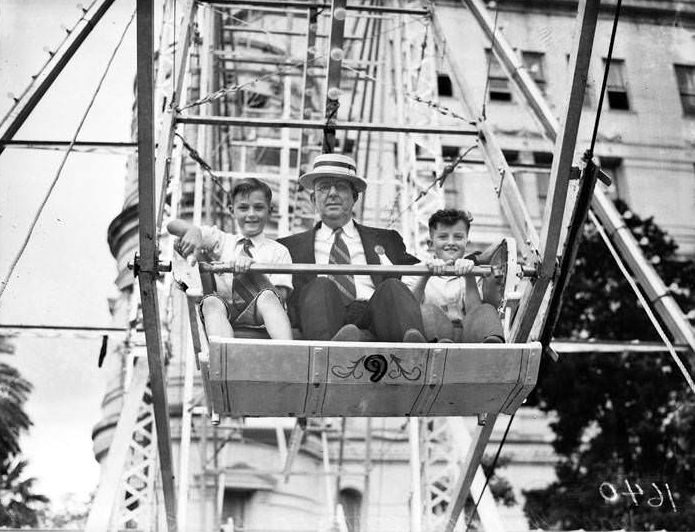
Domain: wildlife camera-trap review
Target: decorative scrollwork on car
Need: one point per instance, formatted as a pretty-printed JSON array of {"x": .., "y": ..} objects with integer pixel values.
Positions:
[
  {"x": 411, "y": 374},
  {"x": 352, "y": 370},
  {"x": 377, "y": 366}
]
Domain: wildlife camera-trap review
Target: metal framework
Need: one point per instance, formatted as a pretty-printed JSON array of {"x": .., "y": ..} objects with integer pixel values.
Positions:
[{"x": 144, "y": 420}]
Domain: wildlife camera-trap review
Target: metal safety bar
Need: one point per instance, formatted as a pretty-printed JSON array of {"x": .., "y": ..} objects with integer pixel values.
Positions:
[{"x": 351, "y": 269}]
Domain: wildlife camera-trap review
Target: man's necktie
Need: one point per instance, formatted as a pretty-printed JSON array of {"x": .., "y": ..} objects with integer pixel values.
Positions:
[{"x": 341, "y": 255}]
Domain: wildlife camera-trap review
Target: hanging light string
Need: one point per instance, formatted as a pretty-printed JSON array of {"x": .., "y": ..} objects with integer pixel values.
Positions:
[
  {"x": 25, "y": 243},
  {"x": 51, "y": 54},
  {"x": 437, "y": 181},
  {"x": 217, "y": 180},
  {"x": 237, "y": 87}
]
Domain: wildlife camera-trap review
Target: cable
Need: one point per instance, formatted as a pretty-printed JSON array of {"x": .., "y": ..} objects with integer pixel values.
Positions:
[
  {"x": 4, "y": 282},
  {"x": 643, "y": 301},
  {"x": 604, "y": 83},
  {"x": 492, "y": 471}
]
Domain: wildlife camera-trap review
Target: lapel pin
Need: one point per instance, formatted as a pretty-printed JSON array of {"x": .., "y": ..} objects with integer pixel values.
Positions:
[{"x": 379, "y": 249}]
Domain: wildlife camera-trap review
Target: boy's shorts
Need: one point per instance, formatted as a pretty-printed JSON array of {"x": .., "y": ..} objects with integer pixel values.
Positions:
[{"x": 238, "y": 315}]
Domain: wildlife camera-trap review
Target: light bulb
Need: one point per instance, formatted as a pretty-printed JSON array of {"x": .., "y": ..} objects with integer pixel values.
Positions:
[
  {"x": 339, "y": 13},
  {"x": 337, "y": 54},
  {"x": 334, "y": 93}
]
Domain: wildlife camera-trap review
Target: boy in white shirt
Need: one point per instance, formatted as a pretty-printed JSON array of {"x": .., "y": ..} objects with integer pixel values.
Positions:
[
  {"x": 244, "y": 298},
  {"x": 452, "y": 309}
]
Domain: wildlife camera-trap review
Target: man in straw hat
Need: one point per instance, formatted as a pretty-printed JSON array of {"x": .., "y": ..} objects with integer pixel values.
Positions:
[{"x": 345, "y": 307}]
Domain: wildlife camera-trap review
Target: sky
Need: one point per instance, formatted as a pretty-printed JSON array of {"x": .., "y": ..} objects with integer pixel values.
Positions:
[{"x": 66, "y": 274}]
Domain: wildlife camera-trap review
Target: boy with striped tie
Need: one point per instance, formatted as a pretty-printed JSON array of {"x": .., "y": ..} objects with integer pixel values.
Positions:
[{"x": 244, "y": 298}]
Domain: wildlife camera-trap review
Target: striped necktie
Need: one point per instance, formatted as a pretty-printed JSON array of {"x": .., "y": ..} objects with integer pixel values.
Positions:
[
  {"x": 341, "y": 255},
  {"x": 247, "y": 285}
]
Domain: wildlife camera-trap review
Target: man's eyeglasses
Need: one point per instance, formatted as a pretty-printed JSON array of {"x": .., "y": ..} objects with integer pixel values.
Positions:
[{"x": 340, "y": 187}]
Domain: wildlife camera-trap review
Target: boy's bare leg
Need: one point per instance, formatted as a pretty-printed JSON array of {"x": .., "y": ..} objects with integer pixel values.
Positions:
[
  {"x": 215, "y": 315},
  {"x": 274, "y": 317}
]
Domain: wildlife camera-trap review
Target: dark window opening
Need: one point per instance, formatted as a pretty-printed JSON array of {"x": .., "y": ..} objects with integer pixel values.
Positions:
[
  {"x": 351, "y": 501},
  {"x": 499, "y": 87},
  {"x": 588, "y": 88},
  {"x": 511, "y": 156},
  {"x": 349, "y": 146},
  {"x": 685, "y": 75},
  {"x": 444, "y": 86},
  {"x": 544, "y": 159},
  {"x": 449, "y": 153},
  {"x": 616, "y": 88},
  {"x": 234, "y": 507},
  {"x": 613, "y": 168},
  {"x": 533, "y": 62}
]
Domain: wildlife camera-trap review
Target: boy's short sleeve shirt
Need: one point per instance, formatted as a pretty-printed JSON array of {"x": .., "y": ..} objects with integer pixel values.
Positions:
[
  {"x": 445, "y": 292},
  {"x": 226, "y": 247}
]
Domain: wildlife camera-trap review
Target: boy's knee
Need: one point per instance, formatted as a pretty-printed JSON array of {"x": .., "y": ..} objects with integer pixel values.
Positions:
[
  {"x": 266, "y": 298},
  {"x": 213, "y": 304}
]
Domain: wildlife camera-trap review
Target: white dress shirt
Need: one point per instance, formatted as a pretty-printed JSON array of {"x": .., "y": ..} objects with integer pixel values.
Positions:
[
  {"x": 323, "y": 242},
  {"x": 448, "y": 293},
  {"x": 226, "y": 247}
]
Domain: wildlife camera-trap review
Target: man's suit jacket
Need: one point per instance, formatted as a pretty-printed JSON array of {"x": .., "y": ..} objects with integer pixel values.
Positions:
[{"x": 376, "y": 242}]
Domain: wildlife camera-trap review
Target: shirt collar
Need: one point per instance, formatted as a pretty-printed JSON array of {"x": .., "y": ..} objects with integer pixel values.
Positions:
[
  {"x": 256, "y": 240},
  {"x": 326, "y": 233}
]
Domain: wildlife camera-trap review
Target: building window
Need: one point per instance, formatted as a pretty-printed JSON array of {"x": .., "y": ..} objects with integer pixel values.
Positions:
[
  {"x": 544, "y": 160},
  {"x": 613, "y": 168},
  {"x": 616, "y": 89},
  {"x": 533, "y": 61},
  {"x": 588, "y": 88},
  {"x": 234, "y": 506},
  {"x": 450, "y": 153},
  {"x": 499, "y": 88},
  {"x": 444, "y": 86},
  {"x": 685, "y": 75},
  {"x": 351, "y": 501}
]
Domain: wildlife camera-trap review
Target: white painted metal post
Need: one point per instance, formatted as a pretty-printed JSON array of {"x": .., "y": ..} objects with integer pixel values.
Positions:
[{"x": 415, "y": 475}]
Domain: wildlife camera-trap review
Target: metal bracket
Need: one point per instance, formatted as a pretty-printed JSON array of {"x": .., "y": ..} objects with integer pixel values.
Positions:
[{"x": 160, "y": 267}]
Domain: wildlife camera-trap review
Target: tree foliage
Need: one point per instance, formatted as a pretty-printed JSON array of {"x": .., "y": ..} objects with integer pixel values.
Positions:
[
  {"x": 19, "y": 505},
  {"x": 620, "y": 417},
  {"x": 14, "y": 390},
  {"x": 18, "y": 502}
]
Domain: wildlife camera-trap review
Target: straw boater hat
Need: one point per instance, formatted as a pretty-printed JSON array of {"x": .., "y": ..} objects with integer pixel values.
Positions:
[{"x": 333, "y": 165}]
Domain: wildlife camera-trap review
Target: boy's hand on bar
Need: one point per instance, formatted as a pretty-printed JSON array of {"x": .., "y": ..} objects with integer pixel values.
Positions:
[
  {"x": 435, "y": 265},
  {"x": 464, "y": 266}
]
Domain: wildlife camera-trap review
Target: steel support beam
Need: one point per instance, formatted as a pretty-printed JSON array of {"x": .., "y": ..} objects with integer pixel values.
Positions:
[
  {"x": 319, "y": 124},
  {"x": 149, "y": 260},
  {"x": 532, "y": 308},
  {"x": 295, "y": 443},
  {"x": 469, "y": 466},
  {"x": 109, "y": 484},
  {"x": 656, "y": 292},
  {"x": 168, "y": 123},
  {"x": 355, "y": 269},
  {"x": 385, "y": 10},
  {"x": 43, "y": 81}
]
